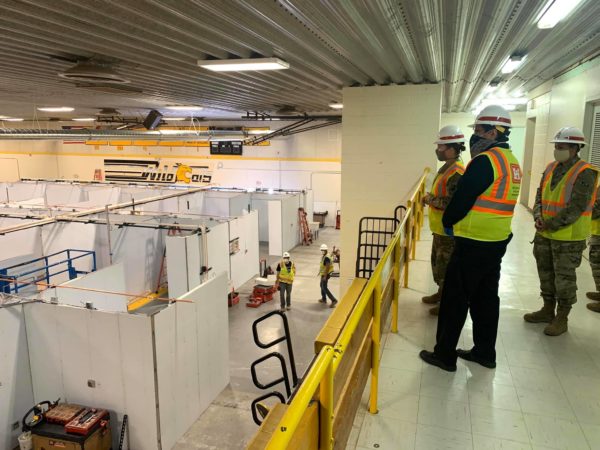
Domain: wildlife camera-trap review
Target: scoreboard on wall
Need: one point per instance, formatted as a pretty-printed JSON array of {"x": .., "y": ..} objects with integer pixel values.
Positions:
[{"x": 226, "y": 147}]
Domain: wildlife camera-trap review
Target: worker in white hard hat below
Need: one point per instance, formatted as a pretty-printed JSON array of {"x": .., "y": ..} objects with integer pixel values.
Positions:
[
  {"x": 563, "y": 221},
  {"x": 450, "y": 144},
  {"x": 325, "y": 270},
  {"x": 286, "y": 271},
  {"x": 479, "y": 217}
]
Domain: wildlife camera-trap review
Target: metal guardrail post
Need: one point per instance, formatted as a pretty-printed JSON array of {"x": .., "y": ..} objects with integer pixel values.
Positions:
[
  {"x": 376, "y": 345},
  {"x": 397, "y": 250},
  {"x": 326, "y": 408}
]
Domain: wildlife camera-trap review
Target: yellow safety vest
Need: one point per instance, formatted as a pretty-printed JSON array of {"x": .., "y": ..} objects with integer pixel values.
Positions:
[
  {"x": 326, "y": 271},
  {"x": 439, "y": 190},
  {"x": 285, "y": 275},
  {"x": 555, "y": 200},
  {"x": 490, "y": 217},
  {"x": 596, "y": 223}
]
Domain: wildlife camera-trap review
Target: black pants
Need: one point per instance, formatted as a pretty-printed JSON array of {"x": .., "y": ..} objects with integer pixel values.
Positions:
[
  {"x": 285, "y": 288},
  {"x": 325, "y": 292},
  {"x": 471, "y": 284}
]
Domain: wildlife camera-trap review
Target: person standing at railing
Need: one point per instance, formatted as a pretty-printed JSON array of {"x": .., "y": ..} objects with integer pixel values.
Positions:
[
  {"x": 595, "y": 255},
  {"x": 563, "y": 218},
  {"x": 479, "y": 216},
  {"x": 286, "y": 271},
  {"x": 450, "y": 144}
]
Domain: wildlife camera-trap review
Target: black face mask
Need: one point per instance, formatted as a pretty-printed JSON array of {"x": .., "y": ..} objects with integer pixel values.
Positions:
[
  {"x": 441, "y": 156},
  {"x": 477, "y": 144}
]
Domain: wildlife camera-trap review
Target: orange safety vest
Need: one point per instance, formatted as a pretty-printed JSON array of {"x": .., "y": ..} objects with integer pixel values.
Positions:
[
  {"x": 555, "y": 200},
  {"x": 490, "y": 217},
  {"x": 439, "y": 189}
]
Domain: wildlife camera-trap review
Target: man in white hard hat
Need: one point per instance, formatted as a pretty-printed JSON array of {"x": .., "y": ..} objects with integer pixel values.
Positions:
[
  {"x": 479, "y": 216},
  {"x": 563, "y": 216},
  {"x": 450, "y": 144},
  {"x": 325, "y": 270},
  {"x": 286, "y": 271}
]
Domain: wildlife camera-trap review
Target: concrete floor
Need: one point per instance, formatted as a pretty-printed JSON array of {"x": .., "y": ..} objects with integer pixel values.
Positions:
[{"x": 227, "y": 423}]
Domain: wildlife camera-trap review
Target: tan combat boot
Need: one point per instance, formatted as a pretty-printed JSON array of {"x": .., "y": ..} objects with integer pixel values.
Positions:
[
  {"x": 432, "y": 299},
  {"x": 594, "y": 307},
  {"x": 546, "y": 314},
  {"x": 559, "y": 324},
  {"x": 593, "y": 296}
]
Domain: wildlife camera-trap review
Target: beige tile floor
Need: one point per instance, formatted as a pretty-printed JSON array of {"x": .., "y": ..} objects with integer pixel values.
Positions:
[{"x": 544, "y": 394}]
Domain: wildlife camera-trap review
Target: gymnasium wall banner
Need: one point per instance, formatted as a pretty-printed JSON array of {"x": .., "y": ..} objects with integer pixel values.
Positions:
[{"x": 152, "y": 171}]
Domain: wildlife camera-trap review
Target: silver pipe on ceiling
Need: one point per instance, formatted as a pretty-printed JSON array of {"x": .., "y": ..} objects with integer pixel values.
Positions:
[{"x": 100, "y": 135}]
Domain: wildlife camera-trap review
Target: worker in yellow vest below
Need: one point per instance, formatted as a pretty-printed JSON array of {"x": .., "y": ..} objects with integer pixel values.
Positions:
[
  {"x": 563, "y": 216},
  {"x": 595, "y": 255},
  {"x": 325, "y": 270},
  {"x": 479, "y": 216},
  {"x": 450, "y": 144},
  {"x": 286, "y": 271}
]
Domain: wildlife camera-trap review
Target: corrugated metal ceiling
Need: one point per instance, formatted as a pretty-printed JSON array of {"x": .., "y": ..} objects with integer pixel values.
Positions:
[{"x": 329, "y": 44}]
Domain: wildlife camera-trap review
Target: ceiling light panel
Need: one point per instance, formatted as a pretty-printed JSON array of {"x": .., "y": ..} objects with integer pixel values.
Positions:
[{"x": 240, "y": 65}]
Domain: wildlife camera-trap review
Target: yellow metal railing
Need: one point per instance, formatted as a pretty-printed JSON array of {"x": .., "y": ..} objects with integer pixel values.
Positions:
[{"x": 320, "y": 377}]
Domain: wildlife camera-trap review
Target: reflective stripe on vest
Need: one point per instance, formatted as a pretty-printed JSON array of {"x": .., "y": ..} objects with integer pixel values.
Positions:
[
  {"x": 439, "y": 189},
  {"x": 555, "y": 200},
  {"x": 322, "y": 269},
  {"x": 285, "y": 275},
  {"x": 490, "y": 217}
]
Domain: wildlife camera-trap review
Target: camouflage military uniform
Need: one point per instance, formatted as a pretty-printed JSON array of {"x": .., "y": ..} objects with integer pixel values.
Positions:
[
  {"x": 557, "y": 260},
  {"x": 442, "y": 246},
  {"x": 595, "y": 248}
]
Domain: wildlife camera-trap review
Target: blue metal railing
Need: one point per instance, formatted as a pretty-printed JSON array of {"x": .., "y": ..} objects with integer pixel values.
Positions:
[{"x": 11, "y": 280}]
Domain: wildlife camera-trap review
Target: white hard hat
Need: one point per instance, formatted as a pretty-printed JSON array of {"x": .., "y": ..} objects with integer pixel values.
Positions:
[
  {"x": 449, "y": 135},
  {"x": 493, "y": 115},
  {"x": 569, "y": 135},
  {"x": 324, "y": 247},
  {"x": 286, "y": 255}
]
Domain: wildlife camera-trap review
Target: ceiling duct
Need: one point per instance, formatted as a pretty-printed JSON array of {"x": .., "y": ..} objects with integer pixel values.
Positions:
[
  {"x": 102, "y": 135},
  {"x": 87, "y": 72}
]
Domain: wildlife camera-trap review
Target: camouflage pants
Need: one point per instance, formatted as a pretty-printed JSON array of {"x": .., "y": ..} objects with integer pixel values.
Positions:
[
  {"x": 595, "y": 260},
  {"x": 556, "y": 264},
  {"x": 441, "y": 251}
]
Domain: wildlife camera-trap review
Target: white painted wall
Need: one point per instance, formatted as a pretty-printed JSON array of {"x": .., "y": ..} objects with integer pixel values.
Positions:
[
  {"x": 567, "y": 101},
  {"x": 244, "y": 264},
  {"x": 387, "y": 138}
]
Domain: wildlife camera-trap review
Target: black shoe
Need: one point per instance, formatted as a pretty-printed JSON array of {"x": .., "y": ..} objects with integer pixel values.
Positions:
[
  {"x": 469, "y": 356},
  {"x": 333, "y": 303},
  {"x": 434, "y": 360}
]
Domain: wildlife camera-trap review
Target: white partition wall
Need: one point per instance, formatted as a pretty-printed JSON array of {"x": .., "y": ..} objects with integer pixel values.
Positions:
[
  {"x": 192, "y": 356},
  {"x": 244, "y": 263},
  {"x": 99, "y": 359},
  {"x": 275, "y": 224},
  {"x": 162, "y": 370},
  {"x": 290, "y": 230},
  {"x": 16, "y": 392}
]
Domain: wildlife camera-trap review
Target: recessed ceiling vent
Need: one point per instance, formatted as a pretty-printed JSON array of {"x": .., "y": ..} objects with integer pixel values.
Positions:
[{"x": 93, "y": 72}]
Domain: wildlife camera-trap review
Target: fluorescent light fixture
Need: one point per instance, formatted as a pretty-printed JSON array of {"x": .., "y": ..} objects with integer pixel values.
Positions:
[
  {"x": 555, "y": 11},
  {"x": 336, "y": 105},
  {"x": 184, "y": 108},
  {"x": 513, "y": 63},
  {"x": 56, "y": 109},
  {"x": 3, "y": 117},
  {"x": 84, "y": 119},
  {"x": 510, "y": 107},
  {"x": 174, "y": 119},
  {"x": 259, "y": 131},
  {"x": 12, "y": 119},
  {"x": 271, "y": 191},
  {"x": 239, "y": 65},
  {"x": 122, "y": 127}
]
